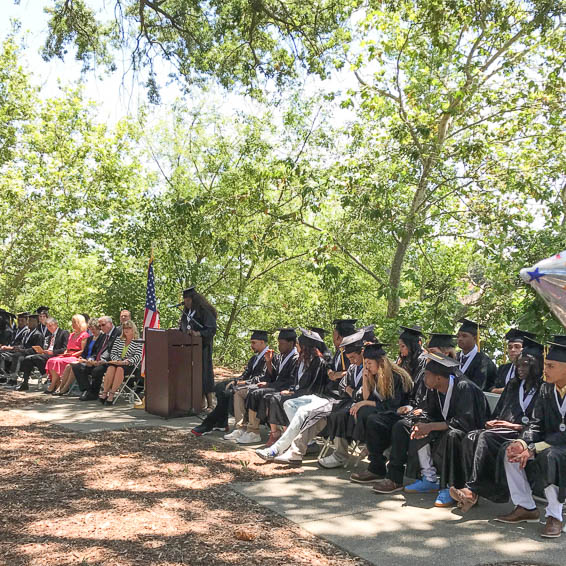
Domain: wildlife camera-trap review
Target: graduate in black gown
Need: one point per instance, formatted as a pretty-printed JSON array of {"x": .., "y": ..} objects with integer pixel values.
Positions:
[
  {"x": 339, "y": 363},
  {"x": 6, "y": 332},
  {"x": 422, "y": 406},
  {"x": 474, "y": 364},
  {"x": 513, "y": 345},
  {"x": 463, "y": 408},
  {"x": 483, "y": 451},
  {"x": 279, "y": 375},
  {"x": 540, "y": 452},
  {"x": 410, "y": 350},
  {"x": 386, "y": 387},
  {"x": 199, "y": 318}
]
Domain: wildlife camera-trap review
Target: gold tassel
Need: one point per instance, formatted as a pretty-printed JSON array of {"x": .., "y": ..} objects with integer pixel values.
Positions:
[
  {"x": 545, "y": 350},
  {"x": 342, "y": 358}
]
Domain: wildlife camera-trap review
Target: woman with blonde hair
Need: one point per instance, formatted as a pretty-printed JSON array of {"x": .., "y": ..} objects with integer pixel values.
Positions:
[
  {"x": 77, "y": 340},
  {"x": 125, "y": 356}
]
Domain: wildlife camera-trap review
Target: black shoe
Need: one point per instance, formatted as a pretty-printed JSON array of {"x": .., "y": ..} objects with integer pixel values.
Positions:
[
  {"x": 23, "y": 386},
  {"x": 47, "y": 392},
  {"x": 90, "y": 396},
  {"x": 83, "y": 396},
  {"x": 201, "y": 429},
  {"x": 12, "y": 382},
  {"x": 3, "y": 379}
]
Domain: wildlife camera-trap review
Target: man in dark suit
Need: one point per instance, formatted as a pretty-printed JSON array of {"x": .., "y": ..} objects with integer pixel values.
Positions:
[
  {"x": 33, "y": 338},
  {"x": 474, "y": 364},
  {"x": 89, "y": 374},
  {"x": 55, "y": 345}
]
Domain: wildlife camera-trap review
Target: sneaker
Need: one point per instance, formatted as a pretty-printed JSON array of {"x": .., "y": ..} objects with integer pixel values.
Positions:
[
  {"x": 201, "y": 429},
  {"x": 423, "y": 486},
  {"x": 221, "y": 428},
  {"x": 332, "y": 461},
  {"x": 24, "y": 386},
  {"x": 287, "y": 458},
  {"x": 387, "y": 486},
  {"x": 234, "y": 435},
  {"x": 249, "y": 438},
  {"x": 267, "y": 454},
  {"x": 444, "y": 499}
]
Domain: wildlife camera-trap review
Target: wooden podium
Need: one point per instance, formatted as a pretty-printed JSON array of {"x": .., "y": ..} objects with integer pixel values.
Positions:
[{"x": 173, "y": 373}]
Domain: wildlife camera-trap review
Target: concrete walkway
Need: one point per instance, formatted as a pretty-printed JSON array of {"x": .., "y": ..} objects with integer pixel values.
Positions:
[{"x": 400, "y": 530}]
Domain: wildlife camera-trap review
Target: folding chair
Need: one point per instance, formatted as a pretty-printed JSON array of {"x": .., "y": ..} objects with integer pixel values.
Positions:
[{"x": 127, "y": 388}]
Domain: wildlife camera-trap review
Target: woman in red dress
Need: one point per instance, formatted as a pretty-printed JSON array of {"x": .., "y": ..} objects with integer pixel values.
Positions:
[{"x": 75, "y": 346}]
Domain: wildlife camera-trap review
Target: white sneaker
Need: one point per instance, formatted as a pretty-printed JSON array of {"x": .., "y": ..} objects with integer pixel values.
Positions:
[
  {"x": 287, "y": 458},
  {"x": 235, "y": 434},
  {"x": 249, "y": 438},
  {"x": 331, "y": 461},
  {"x": 266, "y": 453}
]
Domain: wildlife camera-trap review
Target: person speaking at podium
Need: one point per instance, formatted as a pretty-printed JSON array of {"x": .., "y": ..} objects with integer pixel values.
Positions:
[{"x": 199, "y": 319}]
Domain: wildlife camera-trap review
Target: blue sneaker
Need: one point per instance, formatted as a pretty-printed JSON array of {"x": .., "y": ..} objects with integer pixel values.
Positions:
[
  {"x": 444, "y": 499},
  {"x": 267, "y": 454},
  {"x": 423, "y": 486}
]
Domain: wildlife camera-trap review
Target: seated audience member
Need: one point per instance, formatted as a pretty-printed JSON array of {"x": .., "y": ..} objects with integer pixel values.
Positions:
[
  {"x": 226, "y": 390},
  {"x": 386, "y": 387},
  {"x": 43, "y": 313},
  {"x": 540, "y": 451},
  {"x": 325, "y": 351},
  {"x": 463, "y": 408},
  {"x": 279, "y": 375},
  {"x": 33, "y": 338},
  {"x": 306, "y": 394},
  {"x": 339, "y": 364},
  {"x": 506, "y": 372},
  {"x": 483, "y": 451},
  {"x": 89, "y": 373},
  {"x": 56, "y": 365},
  {"x": 475, "y": 365},
  {"x": 421, "y": 406},
  {"x": 54, "y": 345},
  {"x": 125, "y": 357},
  {"x": 125, "y": 315},
  {"x": 93, "y": 344},
  {"x": 6, "y": 333},
  {"x": 410, "y": 350}
]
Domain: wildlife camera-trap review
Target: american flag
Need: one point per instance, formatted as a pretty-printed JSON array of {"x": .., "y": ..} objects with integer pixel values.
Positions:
[{"x": 151, "y": 316}]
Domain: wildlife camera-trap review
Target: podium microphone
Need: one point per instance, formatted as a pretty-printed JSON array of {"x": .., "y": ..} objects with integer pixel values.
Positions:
[{"x": 175, "y": 306}]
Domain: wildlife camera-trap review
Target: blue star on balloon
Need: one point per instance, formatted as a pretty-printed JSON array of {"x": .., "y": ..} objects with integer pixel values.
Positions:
[{"x": 535, "y": 275}]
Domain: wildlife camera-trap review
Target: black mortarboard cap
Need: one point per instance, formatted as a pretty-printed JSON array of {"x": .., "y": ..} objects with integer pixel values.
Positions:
[
  {"x": 559, "y": 339},
  {"x": 469, "y": 326},
  {"x": 312, "y": 338},
  {"x": 410, "y": 333},
  {"x": 189, "y": 292},
  {"x": 23, "y": 314},
  {"x": 440, "y": 364},
  {"x": 34, "y": 316},
  {"x": 441, "y": 340},
  {"x": 353, "y": 342},
  {"x": 374, "y": 351},
  {"x": 259, "y": 335},
  {"x": 556, "y": 352},
  {"x": 345, "y": 326},
  {"x": 369, "y": 335},
  {"x": 320, "y": 331},
  {"x": 517, "y": 335},
  {"x": 532, "y": 348},
  {"x": 42, "y": 309},
  {"x": 6, "y": 314},
  {"x": 288, "y": 334}
]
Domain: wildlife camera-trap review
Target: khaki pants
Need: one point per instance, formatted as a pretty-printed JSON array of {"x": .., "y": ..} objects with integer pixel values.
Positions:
[
  {"x": 240, "y": 406},
  {"x": 253, "y": 422},
  {"x": 300, "y": 443}
]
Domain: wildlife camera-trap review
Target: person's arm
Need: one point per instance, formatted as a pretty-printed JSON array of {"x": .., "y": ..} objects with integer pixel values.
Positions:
[
  {"x": 134, "y": 354},
  {"x": 78, "y": 353},
  {"x": 208, "y": 329}
]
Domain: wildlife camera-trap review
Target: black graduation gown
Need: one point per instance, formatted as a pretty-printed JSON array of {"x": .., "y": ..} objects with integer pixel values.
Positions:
[
  {"x": 549, "y": 465},
  {"x": 481, "y": 371},
  {"x": 483, "y": 451},
  {"x": 279, "y": 380},
  {"x": 313, "y": 382},
  {"x": 205, "y": 323},
  {"x": 339, "y": 422},
  {"x": 468, "y": 410},
  {"x": 384, "y": 413},
  {"x": 502, "y": 372},
  {"x": 24, "y": 348}
]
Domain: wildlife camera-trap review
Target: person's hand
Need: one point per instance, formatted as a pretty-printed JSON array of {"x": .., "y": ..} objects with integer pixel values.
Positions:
[
  {"x": 262, "y": 384},
  {"x": 516, "y": 452},
  {"x": 420, "y": 430},
  {"x": 241, "y": 382},
  {"x": 350, "y": 391},
  {"x": 334, "y": 375},
  {"x": 418, "y": 412},
  {"x": 285, "y": 392},
  {"x": 268, "y": 356},
  {"x": 356, "y": 407},
  {"x": 404, "y": 410}
]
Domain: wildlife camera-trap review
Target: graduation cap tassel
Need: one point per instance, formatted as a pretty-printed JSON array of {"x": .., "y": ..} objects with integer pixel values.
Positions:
[
  {"x": 544, "y": 361},
  {"x": 342, "y": 359}
]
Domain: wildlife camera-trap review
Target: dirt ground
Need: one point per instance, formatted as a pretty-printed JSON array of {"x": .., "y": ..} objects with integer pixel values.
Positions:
[{"x": 138, "y": 496}]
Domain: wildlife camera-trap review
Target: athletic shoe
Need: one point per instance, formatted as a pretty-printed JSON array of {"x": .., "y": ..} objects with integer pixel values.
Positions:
[
  {"x": 423, "y": 486},
  {"x": 221, "y": 428},
  {"x": 332, "y": 461},
  {"x": 267, "y": 454},
  {"x": 443, "y": 499},
  {"x": 287, "y": 458},
  {"x": 249, "y": 438},
  {"x": 201, "y": 429},
  {"x": 235, "y": 434}
]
